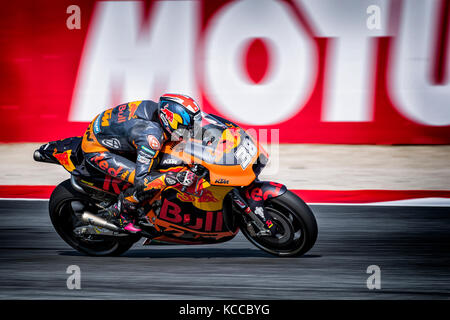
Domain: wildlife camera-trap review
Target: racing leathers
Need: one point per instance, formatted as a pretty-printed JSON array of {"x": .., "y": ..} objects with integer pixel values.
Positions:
[{"x": 124, "y": 142}]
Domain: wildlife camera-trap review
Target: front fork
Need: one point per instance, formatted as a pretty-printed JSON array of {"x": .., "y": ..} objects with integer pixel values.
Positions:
[
  {"x": 250, "y": 202},
  {"x": 250, "y": 217}
]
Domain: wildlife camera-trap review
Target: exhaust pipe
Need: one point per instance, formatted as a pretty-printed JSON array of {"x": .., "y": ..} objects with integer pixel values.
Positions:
[{"x": 97, "y": 221}]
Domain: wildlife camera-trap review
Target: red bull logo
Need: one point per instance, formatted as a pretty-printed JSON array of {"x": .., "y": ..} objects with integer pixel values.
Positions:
[
  {"x": 230, "y": 139},
  {"x": 167, "y": 113},
  {"x": 185, "y": 197},
  {"x": 64, "y": 159},
  {"x": 207, "y": 196},
  {"x": 133, "y": 107},
  {"x": 154, "y": 184},
  {"x": 205, "y": 222}
]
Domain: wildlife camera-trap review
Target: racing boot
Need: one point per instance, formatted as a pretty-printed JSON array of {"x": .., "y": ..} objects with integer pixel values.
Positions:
[
  {"x": 127, "y": 222},
  {"x": 122, "y": 213}
]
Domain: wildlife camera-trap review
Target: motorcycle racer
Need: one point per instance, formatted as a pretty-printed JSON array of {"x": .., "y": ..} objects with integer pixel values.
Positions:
[{"x": 124, "y": 142}]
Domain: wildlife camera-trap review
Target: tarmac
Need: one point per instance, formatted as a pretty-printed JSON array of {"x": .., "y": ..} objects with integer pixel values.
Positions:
[{"x": 409, "y": 245}]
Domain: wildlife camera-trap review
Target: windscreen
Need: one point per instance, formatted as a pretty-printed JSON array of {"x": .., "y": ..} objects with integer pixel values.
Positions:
[{"x": 219, "y": 141}]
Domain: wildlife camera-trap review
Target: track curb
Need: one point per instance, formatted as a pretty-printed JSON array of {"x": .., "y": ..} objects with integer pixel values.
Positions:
[{"x": 387, "y": 197}]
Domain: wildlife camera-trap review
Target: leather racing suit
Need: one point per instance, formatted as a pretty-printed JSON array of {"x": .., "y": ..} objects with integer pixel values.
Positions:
[{"x": 128, "y": 131}]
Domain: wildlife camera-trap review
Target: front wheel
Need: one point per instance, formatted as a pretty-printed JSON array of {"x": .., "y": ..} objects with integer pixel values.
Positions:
[
  {"x": 66, "y": 222},
  {"x": 295, "y": 224}
]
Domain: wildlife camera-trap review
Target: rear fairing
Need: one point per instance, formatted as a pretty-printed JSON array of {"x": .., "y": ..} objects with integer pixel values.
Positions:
[{"x": 66, "y": 152}]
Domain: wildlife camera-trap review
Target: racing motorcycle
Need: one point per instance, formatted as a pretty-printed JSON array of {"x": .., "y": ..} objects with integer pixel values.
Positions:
[{"x": 227, "y": 197}]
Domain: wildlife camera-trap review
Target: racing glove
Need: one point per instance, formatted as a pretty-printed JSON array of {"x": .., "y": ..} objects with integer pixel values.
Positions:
[{"x": 184, "y": 177}]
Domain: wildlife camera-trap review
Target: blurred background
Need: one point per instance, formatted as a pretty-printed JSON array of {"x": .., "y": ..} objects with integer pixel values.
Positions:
[
  {"x": 309, "y": 72},
  {"x": 320, "y": 71}
]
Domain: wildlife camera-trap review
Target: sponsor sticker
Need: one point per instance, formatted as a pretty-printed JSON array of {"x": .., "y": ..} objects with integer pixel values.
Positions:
[
  {"x": 106, "y": 117},
  {"x": 222, "y": 181},
  {"x": 124, "y": 175},
  {"x": 143, "y": 158},
  {"x": 133, "y": 107},
  {"x": 153, "y": 142},
  {"x": 97, "y": 125},
  {"x": 147, "y": 150},
  {"x": 168, "y": 115},
  {"x": 170, "y": 161},
  {"x": 112, "y": 143},
  {"x": 64, "y": 159}
]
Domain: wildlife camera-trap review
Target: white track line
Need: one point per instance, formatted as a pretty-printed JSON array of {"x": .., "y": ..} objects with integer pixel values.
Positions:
[
  {"x": 420, "y": 202},
  {"x": 26, "y": 199}
]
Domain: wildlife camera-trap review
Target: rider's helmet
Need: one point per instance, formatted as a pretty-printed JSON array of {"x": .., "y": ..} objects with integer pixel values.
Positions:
[{"x": 178, "y": 114}]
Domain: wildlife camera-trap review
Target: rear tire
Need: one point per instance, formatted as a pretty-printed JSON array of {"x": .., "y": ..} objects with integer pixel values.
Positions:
[
  {"x": 64, "y": 219},
  {"x": 296, "y": 227}
]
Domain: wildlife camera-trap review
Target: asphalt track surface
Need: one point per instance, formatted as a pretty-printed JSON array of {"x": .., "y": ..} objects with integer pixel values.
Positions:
[{"x": 411, "y": 245}]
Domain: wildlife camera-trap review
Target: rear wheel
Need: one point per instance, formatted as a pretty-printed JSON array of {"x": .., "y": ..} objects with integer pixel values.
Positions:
[
  {"x": 66, "y": 222},
  {"x": 296, "y": 227}
]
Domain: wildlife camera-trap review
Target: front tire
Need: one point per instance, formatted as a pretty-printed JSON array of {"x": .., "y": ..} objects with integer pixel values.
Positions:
[
  {"x": 64, "y": 221},
  {"x": 296, "y": 227}
]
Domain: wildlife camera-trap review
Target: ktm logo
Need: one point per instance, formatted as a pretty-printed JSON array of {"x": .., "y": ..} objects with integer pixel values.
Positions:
[{"x": 222, "y": 181}]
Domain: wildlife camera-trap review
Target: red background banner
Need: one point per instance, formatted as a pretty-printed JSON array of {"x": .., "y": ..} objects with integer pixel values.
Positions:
[{"x": 40, "y": 61}]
